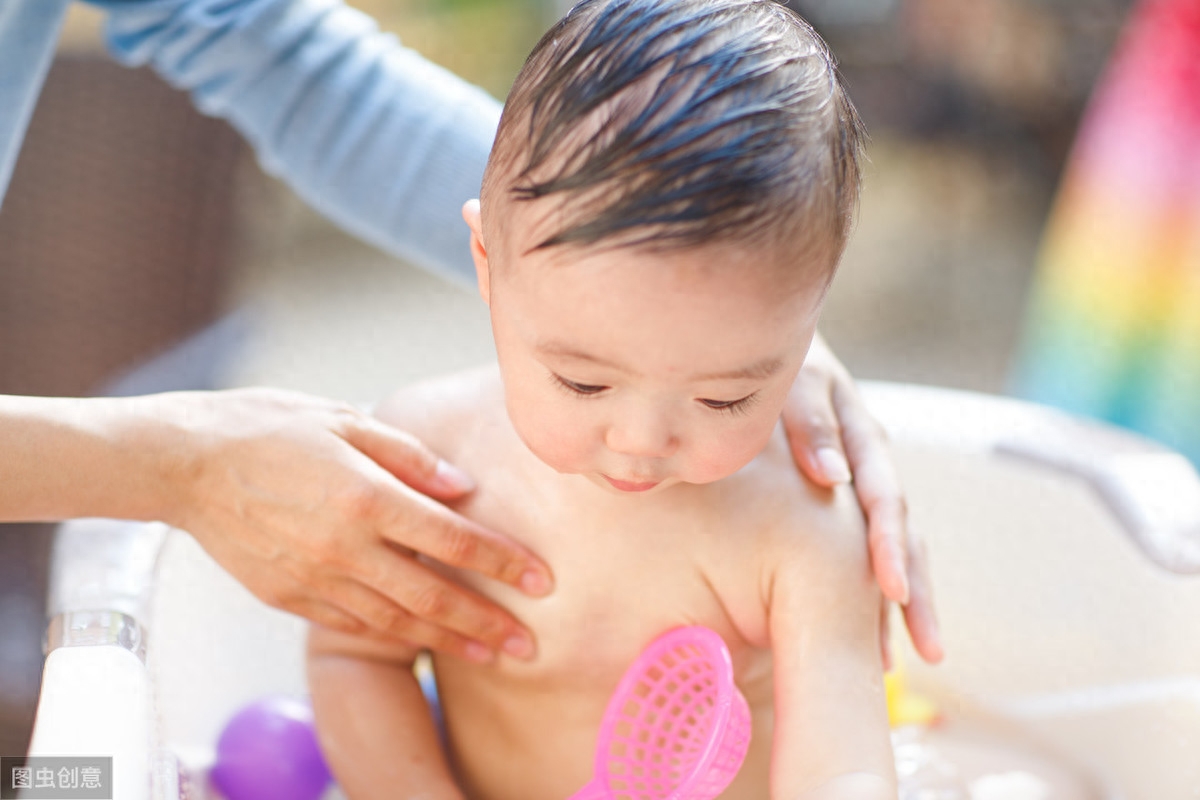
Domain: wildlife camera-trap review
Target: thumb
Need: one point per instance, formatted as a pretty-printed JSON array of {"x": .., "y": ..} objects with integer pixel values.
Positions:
[{"x": 406, "y": 457}]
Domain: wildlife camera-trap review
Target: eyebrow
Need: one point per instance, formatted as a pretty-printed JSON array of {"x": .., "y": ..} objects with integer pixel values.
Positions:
[{"x": 757, "y": 371}]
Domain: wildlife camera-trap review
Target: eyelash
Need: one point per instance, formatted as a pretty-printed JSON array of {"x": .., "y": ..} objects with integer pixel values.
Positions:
[
  {"x": 577, "y": 389},
  {"x": 732, "y": 407}
]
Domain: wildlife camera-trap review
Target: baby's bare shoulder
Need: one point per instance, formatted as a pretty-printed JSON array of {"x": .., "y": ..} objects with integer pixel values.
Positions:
[
  {"x": 445, "y": 411},
  {"x": 815, "y": 559},
  {"x": 791, "y": 518},
  {"x": 776, "y": 524}
]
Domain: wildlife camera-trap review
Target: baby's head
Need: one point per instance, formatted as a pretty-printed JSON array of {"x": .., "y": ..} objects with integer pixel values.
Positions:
[{"x": 669, "y": 193}]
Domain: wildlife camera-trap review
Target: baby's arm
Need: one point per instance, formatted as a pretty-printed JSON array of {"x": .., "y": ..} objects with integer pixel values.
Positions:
[
  {"x": 372, "y": 720},
  {"x": 831, "y": 730}
]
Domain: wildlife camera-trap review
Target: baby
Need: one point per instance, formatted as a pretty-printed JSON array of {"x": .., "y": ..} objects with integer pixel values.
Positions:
[{"x": 669, "y": 194}]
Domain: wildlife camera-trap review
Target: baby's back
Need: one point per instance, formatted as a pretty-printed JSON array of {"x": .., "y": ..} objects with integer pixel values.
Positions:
[{"x": 627, "y": 568}]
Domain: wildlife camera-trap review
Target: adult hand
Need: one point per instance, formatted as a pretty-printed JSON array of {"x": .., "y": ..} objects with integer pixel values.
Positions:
[
  {"x": 833, "y": 438},
  {"x": 320, "y": 510}
]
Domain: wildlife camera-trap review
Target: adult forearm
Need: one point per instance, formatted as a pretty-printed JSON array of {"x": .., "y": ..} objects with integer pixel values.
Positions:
[
  {"x": 377, "y": 138},
  {"x": 70, "y": 457},
  {"x": 28, "y": 32},
  {"x": 300, "y": 498}
]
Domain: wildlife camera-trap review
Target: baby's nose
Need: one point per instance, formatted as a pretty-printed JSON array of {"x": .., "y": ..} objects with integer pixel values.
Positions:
[{"x": 644, "y": 438}]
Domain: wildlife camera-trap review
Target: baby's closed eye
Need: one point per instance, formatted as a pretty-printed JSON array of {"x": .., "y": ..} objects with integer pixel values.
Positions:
[
  {"x": 574, "y": 387},
  {"x": 739, "y": 406}
]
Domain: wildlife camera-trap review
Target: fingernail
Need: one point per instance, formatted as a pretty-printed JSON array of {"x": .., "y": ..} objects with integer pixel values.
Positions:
[
  {"x": 479, "y": 653},
  {"x": 451, "y": 478},
  {"x": 834, "y": 465},
  {"x": 519, "y": 646},
  {"x": 535, "y": 583},
  {"x": 939, "y": 649}
]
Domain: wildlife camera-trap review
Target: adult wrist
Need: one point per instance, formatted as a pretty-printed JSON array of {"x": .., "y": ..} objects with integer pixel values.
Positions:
[
  {"x": 163, "y": 428},
  {"x": 151, "y": 455}
]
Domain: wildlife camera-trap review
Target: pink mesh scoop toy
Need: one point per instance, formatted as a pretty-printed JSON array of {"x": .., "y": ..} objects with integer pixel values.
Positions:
[{"x": 676, "y": 728}]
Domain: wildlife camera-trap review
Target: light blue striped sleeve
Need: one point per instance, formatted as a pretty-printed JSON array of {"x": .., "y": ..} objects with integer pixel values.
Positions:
[
  {"x": 28, "y": 33},
  {"x": 377, "y": 138}
]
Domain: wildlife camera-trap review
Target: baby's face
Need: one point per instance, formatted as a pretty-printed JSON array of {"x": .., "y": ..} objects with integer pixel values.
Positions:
[{"x": 638, "y": 369}]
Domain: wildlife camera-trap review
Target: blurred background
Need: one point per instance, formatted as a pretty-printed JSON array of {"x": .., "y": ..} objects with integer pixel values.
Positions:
[{"x": 133, "y": 222}]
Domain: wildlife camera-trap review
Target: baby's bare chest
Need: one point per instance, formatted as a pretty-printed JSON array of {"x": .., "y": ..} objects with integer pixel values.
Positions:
[{"x": 623, "y": 575}]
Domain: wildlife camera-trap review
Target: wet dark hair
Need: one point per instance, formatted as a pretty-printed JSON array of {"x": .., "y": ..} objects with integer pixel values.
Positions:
[{"x": 682, "y": 122}]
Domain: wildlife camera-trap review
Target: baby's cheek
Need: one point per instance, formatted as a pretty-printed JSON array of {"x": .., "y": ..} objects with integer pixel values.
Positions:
[
  {"x": 728, "y": 452},
  {"x": 554, "y": 437}
]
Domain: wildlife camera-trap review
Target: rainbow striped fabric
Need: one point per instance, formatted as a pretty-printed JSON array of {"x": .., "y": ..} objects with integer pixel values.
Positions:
[{"x": 1114, "y": 324}]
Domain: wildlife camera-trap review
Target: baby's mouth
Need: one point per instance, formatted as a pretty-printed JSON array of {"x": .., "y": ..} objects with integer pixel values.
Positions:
[{"x": 628, "y": 486}]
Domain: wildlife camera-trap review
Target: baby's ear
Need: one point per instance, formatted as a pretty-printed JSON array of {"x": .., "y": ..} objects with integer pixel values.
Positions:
[{"x": 470, "y": 212}]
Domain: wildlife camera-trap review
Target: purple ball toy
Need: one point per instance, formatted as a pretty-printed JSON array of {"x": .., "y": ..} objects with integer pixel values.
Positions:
[{"x": 269, "y": 751}]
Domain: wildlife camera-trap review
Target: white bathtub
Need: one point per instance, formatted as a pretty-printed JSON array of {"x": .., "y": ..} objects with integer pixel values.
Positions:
[{"x": 1060, "y": 553}]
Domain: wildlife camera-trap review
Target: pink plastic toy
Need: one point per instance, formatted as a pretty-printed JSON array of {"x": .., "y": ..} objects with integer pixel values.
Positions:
[{"x": 676, "y": 728}]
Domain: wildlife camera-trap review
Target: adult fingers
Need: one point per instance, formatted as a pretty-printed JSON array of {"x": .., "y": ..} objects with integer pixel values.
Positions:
[
  {"x": 885, "y": 634},
  {"x": 324, "y": 614},
  {"x": 284, "y": 585},
  {"x": 414, "y": 590},
  {"x": 342, "y": 602},
  {"x": 879, "y": 492},
  {"x": 920, "y": 616},
  {"x": 381, "y": 616},
  {"x": 417, "y": 522},
  {"x": 406, "y": 457},
  {"x": 813, "y": 431}
]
